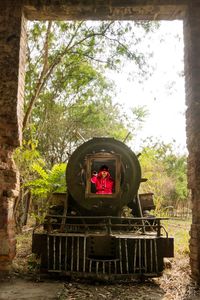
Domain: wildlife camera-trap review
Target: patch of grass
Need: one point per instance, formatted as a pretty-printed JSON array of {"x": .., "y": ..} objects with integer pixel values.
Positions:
[
  {"x": 23, "y": 251},
  {"x": 179, "y": 230}
]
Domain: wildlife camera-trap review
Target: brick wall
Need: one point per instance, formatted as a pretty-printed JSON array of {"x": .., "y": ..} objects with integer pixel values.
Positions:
[
  {"x": 12, "y": 59},
  {"x": 192, "y": 74}
]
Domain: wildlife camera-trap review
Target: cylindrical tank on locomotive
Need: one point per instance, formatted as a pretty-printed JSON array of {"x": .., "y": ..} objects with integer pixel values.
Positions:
[{"x": 123, "y": 166}]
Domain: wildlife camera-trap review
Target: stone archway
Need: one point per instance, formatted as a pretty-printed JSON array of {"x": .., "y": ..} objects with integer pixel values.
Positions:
[{"x": 12, "y": 62}]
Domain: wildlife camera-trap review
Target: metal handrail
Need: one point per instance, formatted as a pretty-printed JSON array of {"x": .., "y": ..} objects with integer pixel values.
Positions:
[{"x": 108, "y": 225}]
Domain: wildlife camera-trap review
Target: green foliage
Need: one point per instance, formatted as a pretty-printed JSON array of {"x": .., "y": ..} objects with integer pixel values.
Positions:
[
  {"x": 166, "y": 173},
  {"x": 25, "y": 157},
  {"x": 48, "y": 181},
  {"x": 38, "y": 180},
  {"x": 67, "y": 94},
  {"x": 34, "y": 263}
]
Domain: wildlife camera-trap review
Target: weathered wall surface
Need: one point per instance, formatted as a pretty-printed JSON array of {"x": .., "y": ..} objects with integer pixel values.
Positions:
[
  {"x": 12, "y": 59},
  {"x": 192, "y": 73},
  {"x": 11, "y": 104},
  {"x": 101, "y": 9}
]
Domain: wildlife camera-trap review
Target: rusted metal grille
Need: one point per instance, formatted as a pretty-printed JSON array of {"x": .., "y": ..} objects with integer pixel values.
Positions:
[
  {"x": 69, "y": 253},
  {"x": 66, "y": 253}
]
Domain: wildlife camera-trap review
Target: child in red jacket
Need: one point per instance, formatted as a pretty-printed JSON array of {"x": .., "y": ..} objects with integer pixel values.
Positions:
[{"x": 103, "y": 181}]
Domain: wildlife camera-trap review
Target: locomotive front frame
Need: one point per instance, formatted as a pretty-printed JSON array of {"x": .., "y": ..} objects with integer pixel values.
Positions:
[{"x": 90, "y": 238}]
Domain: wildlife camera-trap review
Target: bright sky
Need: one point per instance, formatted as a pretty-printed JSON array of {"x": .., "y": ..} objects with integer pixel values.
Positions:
[{"x": 163, "y": 94}]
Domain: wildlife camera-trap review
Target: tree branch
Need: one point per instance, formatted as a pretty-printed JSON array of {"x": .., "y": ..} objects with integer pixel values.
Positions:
[
  {"x": 48, "y": 70},
  {"x": 40, "y": 84}
]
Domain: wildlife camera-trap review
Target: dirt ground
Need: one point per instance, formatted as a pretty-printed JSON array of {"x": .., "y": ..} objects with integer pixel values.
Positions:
[
  {"x": 23, "y": 283},
  {"x": 174, "y": 284},
  {"x": 24, "y": 289}
]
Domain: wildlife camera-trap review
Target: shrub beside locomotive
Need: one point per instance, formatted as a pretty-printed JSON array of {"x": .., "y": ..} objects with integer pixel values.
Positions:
[{"x": 87, "y": 232}]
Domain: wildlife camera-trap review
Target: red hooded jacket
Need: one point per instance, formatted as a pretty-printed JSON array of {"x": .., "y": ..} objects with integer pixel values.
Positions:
[{"x": 103, "y": 185}]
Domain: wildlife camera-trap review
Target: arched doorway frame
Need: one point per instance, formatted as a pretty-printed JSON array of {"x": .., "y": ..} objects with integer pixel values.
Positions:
[{"x": 13, "y": 41}]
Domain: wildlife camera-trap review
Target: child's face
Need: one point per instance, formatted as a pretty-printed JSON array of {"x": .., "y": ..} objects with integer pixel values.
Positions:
[{"x": 104, "y": 173}]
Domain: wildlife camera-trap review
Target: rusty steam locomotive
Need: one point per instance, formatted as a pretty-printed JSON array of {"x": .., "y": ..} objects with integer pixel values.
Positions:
[{"x": 86, "y": 232}]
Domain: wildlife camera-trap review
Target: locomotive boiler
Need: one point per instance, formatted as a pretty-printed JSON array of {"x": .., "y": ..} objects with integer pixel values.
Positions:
[{"x": 99, "y": 227}]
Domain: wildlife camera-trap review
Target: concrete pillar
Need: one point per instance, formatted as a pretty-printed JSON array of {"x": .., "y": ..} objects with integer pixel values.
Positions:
[
  {"x": 192, "y": 73},
  {"x": 12, "y": 62}
]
